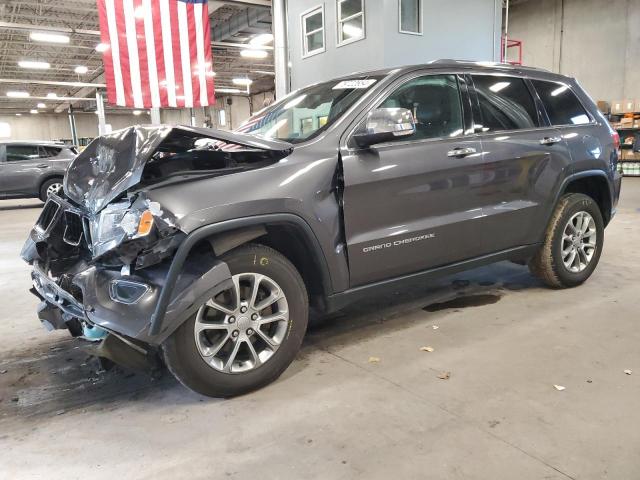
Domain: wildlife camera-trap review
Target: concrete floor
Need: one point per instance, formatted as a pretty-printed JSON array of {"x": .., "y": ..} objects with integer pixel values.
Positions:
[{"x": 504, "y": 339}]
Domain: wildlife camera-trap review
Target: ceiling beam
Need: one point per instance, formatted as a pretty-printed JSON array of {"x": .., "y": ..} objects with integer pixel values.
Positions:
[
  {"x": 255, "y": 3},
  {"x": 49, "y": 82}
]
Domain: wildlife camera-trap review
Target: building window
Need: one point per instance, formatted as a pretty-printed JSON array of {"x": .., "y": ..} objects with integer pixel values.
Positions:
[
  {"x": 350, "y": 21},
  {"x": 313, "y": 31},
  {"x": 410, "y": 15}
]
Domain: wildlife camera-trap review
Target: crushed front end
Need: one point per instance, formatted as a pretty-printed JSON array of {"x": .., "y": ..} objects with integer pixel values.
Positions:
[{"x": 101, "y": 251}]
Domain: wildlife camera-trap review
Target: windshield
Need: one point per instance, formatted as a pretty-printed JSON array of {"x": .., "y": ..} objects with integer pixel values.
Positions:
[{"x": 309, "y": 111}]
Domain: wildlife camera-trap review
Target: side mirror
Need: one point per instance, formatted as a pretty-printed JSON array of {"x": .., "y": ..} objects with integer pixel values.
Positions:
[{"x": 385, "y": 124}]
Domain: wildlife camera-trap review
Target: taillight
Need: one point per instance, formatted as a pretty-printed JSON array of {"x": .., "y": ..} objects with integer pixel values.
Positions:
[{"x": 615, "y": 136}]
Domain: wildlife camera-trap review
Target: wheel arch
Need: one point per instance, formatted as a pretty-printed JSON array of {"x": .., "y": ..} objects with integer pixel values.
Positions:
[
  {"x": 287, "y": 233},
  {"x": 594, "y": 184},
  {"x": 47, "y": 177}
]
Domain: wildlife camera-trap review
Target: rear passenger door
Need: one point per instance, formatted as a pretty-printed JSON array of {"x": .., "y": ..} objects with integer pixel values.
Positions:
[{"x": 525, "y": 158}]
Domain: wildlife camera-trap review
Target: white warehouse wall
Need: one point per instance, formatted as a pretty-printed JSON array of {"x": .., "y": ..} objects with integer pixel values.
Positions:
[
  {"x": 595, "y": 41},
  {"x": 51, "y": 126}
]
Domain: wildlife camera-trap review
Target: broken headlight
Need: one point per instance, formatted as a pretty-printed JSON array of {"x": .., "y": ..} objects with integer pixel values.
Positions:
[{"x": 120, "y": 222}]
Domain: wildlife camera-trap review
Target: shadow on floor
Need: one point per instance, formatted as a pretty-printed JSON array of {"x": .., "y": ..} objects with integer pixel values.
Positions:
[{"x": 57, "y": 377}]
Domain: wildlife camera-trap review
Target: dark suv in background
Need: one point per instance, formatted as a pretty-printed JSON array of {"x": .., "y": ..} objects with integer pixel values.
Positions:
[
  {"x": 208, "y": 248},
  {"x": 33, "y": 169}
]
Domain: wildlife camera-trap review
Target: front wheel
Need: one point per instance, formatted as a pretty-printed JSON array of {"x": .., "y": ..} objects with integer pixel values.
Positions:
[
  {"x": 246, "y": 336},
  {"x": 573, "y": 243}
]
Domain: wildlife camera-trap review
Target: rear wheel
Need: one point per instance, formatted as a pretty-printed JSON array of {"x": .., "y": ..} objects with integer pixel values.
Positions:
[
  {"x": 53, "y": 185},
  {"x": 246, "y": 336},
  {"x": 573, "y": 243}
]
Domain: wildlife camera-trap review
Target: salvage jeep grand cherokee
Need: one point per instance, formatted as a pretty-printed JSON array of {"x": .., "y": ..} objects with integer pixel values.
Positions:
[{"x": 208, "y": 248}]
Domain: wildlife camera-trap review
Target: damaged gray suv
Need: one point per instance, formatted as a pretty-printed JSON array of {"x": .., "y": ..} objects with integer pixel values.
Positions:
[{"x": 207, "y": 249}]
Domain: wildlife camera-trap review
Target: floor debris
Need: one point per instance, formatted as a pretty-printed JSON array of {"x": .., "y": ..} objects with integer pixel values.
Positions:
[
  {"x": 374, "y": 359},
  {"x": 426, "y": 349},
  {"x": 559, "y": 387},
  {"x": 3, "y": 371},
  {"x": 444, "y": 376},
  {"x": 628, "y": 372},
  {"x": 435, "y": 327}
]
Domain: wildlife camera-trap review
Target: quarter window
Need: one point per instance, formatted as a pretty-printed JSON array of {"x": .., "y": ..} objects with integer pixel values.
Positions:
[
  {"x": 350, "y": 21},
  {"x": 561, "y": 104},
  {"x": 505, "y": 104},
  {"x": 434, "y": 101},
  {"x": 313, "y": 32},
  {"x": 410, "y": 13}
]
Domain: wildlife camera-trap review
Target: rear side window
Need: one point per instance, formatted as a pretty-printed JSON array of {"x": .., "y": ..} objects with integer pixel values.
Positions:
[
  {"x": 561, "y": 103},
  {"x": 21, "y": 152},
  {"x": 505, "y": 104}
]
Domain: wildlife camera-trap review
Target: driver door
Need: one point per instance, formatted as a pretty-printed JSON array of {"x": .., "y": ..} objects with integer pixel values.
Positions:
[{"x": 411, "y": 204}]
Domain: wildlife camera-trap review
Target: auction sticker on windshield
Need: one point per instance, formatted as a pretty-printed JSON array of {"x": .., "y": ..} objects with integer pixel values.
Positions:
[{"x": 361, "y": 83}]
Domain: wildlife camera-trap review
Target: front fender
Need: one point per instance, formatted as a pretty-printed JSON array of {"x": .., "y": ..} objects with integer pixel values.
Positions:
[{"x": 200, "y": 279}]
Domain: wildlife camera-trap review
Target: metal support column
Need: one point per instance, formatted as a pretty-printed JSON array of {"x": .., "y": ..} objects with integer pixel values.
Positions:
[
  {"x": 155, "y": 116},
  {"x": 72, "y": 124},
  {"x": 281, "y": 61},
  {"x": 102, "y": 124}
]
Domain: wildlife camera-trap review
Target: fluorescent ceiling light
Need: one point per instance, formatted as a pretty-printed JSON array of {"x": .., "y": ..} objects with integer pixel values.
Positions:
[
  {"x": 41, "y": 105},
  {"x": 254, "y": 53},
  {"x": 18, "y": 94},
  {"x": 227, "y": 90},
  {"x": 34, "y": 64},
  {"x": 496, "y": 87},
  {"x": 242, "y": 81},
  {"x": 49, "y": 37},
  {"x": 102, "y": 47},
  {"x": 34, "y": 111},
  {"x": 52, "y": 95},
  {"x": 18, "y": 114},
  {"x": 81, "y": 70},
  {"x": 262, "y": 39}
]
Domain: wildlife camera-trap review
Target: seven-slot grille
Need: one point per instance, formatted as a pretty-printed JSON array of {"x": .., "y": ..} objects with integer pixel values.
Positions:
[
  {"x": 48, "y": 215},
  {"x": 73, "y": 228},
  {"x": 73, "y": 224}
]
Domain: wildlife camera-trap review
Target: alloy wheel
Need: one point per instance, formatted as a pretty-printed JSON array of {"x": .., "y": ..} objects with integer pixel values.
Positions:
[
  {"x": 54, "y": 188},
  {"x": 579, "y": 239},
  {"x": 242, "y": 327}
]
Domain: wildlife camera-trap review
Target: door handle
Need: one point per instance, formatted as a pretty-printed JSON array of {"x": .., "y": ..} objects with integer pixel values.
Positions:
[
  {"x": 550, "y": 140},
  {"x": 461, "y": 152},
  {"x": 42, "y": 165}
]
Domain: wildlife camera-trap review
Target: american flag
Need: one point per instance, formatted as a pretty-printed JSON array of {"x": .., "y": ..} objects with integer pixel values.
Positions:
[{"x": 157, "y": 52}]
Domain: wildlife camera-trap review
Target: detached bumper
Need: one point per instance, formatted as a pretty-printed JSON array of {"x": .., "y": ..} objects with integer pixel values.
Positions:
[{"x": 93, "y": 298}]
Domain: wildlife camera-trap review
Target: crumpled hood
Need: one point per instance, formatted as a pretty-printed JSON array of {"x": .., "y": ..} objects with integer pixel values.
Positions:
[{"x": 113, "y": 163}]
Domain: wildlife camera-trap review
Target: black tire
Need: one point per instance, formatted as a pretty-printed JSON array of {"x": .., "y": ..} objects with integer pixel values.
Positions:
[
  {"x": 180, "y": 351},
  {"x": 548, "y": 264},
  {"x": 45, "y": 186}
]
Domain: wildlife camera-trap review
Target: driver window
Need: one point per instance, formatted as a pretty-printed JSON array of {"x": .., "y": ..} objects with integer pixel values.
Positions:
[{"x": 434, "y": 101}]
